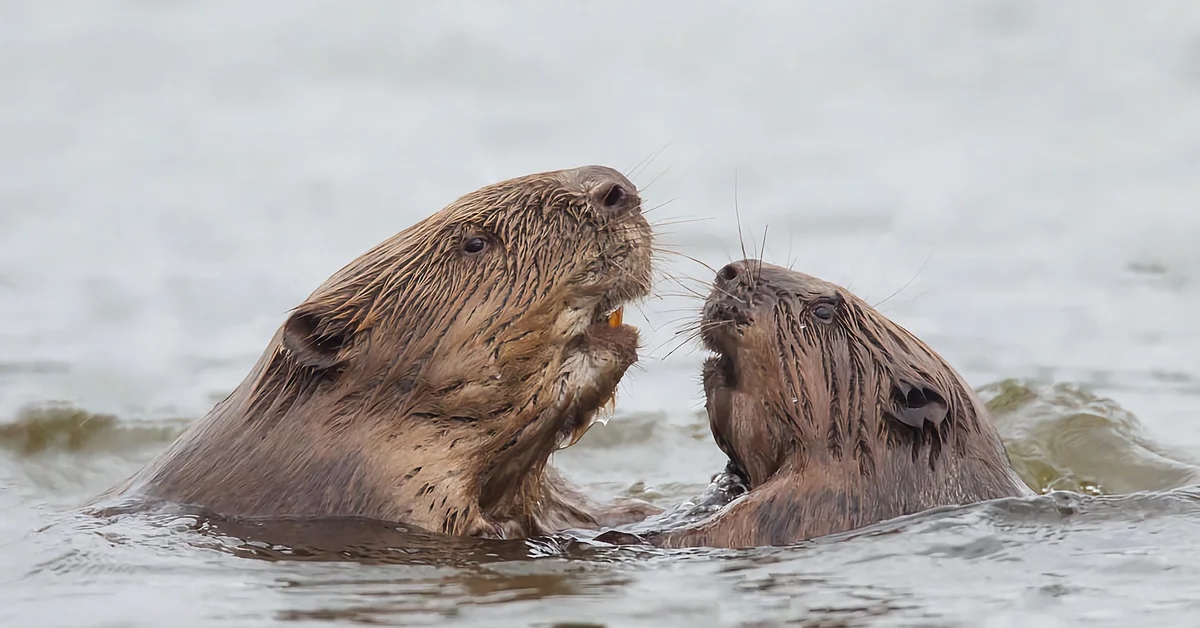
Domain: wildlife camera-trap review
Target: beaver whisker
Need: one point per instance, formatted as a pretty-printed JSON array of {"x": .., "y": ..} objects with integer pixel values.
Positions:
[
  {"x": 687, "y": 292},
  {"x": 667, "y": 342},
  {"x": 912, "y": 299},
  {"x": 670, "y": 222},
  {"x": 667, "y": 274},
  {"x": 659, "y": 206},
  {"x": 656, "y": 178},
  {"x": 685, "y": 327},
  {"x": 674, "y": 251},
  {"x": 738, "y": 215},
  {"x": 684, "y": 343},
  {"x": 682, "y": 221},
  {"x": 686, "y": 322},
  {"x": 659, "y": 249},
  {"x": 645, "y": 162},
  {"x": 637, "y": 306},
  {"x": 716, "y": 324},
  {"x": 689, "y": 257},
  {"x": 731, "y": 295},
  {"x": 665, "y": 233},
  {"x": 679, "y": 279},
  {"x": 615, "y": 264},
  {"x": 761, "y": 251},
  {"x": 693, "y": 322},
  {"x": 697, "y": 333},
  {"x": 907, "y": 283},
  {"x": 693, "y": 334},
  {"x": 678, "y": 295}
]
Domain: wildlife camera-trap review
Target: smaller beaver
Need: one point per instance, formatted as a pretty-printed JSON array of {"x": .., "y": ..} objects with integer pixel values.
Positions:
[
  {"x": 429, "y": 381},
  {"x": 833, "y": 416}
]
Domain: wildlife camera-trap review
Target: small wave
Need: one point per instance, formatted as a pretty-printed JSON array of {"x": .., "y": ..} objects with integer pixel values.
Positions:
[
  {"x": 63, "y": 427},
  {"x": 1055, "y": 509},
  {"x": 1061, "y": 437}
]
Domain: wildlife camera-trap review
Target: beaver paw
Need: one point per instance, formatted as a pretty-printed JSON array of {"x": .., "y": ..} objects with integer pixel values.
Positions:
[
  {"x": 483, "y": 528},
  {"x": 617, "y": 537},
  {"x": 626, "y": 510},
  {"x": 724, "y": 488}
]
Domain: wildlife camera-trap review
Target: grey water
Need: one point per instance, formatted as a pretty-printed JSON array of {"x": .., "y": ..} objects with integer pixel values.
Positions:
[{"x": 1014, "y": 181}]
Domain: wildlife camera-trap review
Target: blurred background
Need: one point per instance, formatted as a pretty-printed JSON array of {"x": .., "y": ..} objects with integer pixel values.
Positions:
[{"x": 1018, "y": 179}]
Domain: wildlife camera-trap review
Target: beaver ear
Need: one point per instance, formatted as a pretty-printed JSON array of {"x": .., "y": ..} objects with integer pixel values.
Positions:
[
  {"x": 915, "y": 402},
  {"x": 315, "y": 340}
]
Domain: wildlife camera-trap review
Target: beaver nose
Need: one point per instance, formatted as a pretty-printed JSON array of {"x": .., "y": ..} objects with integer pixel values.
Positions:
[
  {"x": 728, "y": 273},
  {"x": 609, "y": 190}
]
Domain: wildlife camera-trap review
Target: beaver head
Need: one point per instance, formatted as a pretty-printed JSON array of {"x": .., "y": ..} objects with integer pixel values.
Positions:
[
  {"x": 430, "y": 379},
  {"x": 846, "y": 416}
]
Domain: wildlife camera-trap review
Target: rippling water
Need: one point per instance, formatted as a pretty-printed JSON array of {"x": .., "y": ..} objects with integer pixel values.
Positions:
[{"x": 1021, "y": 176}]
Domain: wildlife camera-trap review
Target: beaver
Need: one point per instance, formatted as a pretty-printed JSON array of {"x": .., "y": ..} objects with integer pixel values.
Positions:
[
  {"x": 833, "y": 416},
  {"x": 429, "y": 381}
]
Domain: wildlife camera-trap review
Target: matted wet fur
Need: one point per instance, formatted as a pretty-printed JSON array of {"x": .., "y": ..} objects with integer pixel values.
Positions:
[
  {"x": 834, "y": 416},
  {"x": 429, "y": 381}
]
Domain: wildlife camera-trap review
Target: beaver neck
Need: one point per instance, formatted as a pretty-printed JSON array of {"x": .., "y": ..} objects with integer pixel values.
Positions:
[
  {"x": 517, "y": 456},
  {"x": 264, "y": 452},
  {"x": 901, "y": 472}
]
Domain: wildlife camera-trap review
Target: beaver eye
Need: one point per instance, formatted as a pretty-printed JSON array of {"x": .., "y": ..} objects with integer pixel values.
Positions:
[
  {"x": 474, "y": 245},
  {"x": 823, "y": 312}
]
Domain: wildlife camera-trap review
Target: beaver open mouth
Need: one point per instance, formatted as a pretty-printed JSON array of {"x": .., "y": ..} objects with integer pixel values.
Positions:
[
  {"x": 720, "y": 378},
  {"x": 604, "y": 351},
  {"x": 722, "y": 326}
]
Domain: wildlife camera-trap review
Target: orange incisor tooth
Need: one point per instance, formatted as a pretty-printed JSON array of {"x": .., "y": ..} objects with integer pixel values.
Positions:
[{"x": 614, "y": 319}]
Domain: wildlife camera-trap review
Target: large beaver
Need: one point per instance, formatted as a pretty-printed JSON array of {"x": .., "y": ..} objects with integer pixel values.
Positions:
[
  {"x": 833, "y": 416},
  {"x": 429, "y": 381}
]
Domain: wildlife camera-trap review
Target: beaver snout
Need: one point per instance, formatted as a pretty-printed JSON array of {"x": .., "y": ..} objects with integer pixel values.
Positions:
[
  {"x": 730, "y": 299},
  {"x": 726, "y": 310},
  {"x": 611, "y": 193},
  {"x": 739, "y": 279}
]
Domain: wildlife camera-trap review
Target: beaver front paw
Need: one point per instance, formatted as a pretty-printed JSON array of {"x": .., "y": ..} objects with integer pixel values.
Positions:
[
  {"x": 617, "y": 537},
  {"x": 484, "y": 528},
  {"x": 626, "y": 510}
]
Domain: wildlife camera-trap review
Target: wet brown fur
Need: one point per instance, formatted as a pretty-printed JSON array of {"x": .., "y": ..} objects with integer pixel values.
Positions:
[
  {"x": 428, "y": 385},
  {"x": 834, "y": 424}
]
